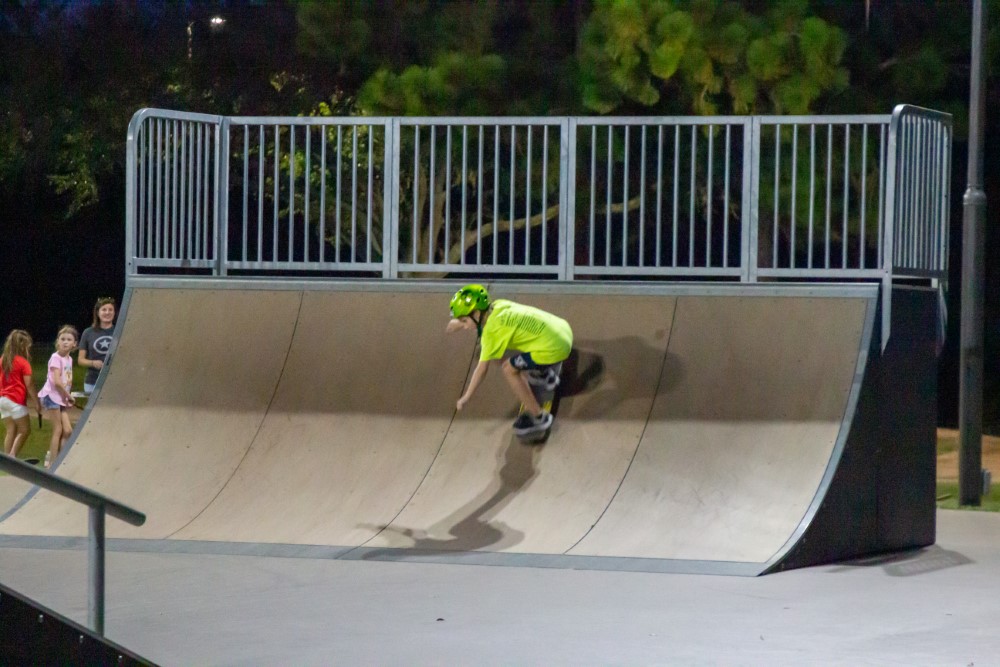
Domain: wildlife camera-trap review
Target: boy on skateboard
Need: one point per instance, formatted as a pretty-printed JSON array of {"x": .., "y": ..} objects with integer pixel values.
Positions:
[{"x": 541, "y": 340}]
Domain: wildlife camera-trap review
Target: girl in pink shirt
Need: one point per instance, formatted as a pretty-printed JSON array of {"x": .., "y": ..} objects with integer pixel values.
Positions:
[{"x": 55, "y": 395}]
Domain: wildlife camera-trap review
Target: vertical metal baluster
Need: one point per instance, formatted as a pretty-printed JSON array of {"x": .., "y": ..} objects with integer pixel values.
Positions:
[
  {"x": 936, "y": 174},
  {"x": 479, "y": 201},
  {"x": 371, "y": 182},
  {"x": 464, "y": 183},
  {"x": 306, "y": 174},
  {"x": 847, "y": 197},
  {"x": 593, "y": 191},
  {"x": 607, "y": 210},
  {"x": 691, "y": 198},
  {"x": 795, "y": 190},
  {"x": 642, "y": 197},
  {"x": 725, "y": 201},
  {"x": 276, "y": 174},
  {"x": 447, "y": 194},
  {"x": 625, "y": 146},
  {"x": 189, "y": 225},
  {"x": 545, "y": 189},
  {"x": 923, "y": 203},
  {"x": 881, "y": 193},
  {"x": 416, "y": 190},
  {"x": 202, "y": 192},
  {"x": 510, "y": 234},
  {"x": 354, "y": 194},
  {"x": 677, "y": 192},
  {"x": 864, "y": 197},
  {"x": 430, "y": 193},
  {"x": 708, "y": 195},
  {"x": 291, "y": 193},
  {"x": 527, "y": 201},
  {"x": 246, "y": 188},
  {"x": 659, "y": 192},
  {"x": 829, "y": 190},
  {"x": 174, "y": 203},
  {"x": 261, "y": 150},
  {"x": 496, "y": 193},
  {"x": 150, "y": 195},
  {"x": 812, "y": 193},
  {"x": 322, "y": 193},
  {"x": 160, "y": 169},
  {"x": 208, "y": 202},
  {"x": 140, "y": 203},
  {"x": 182, "y": 190},
  {"x": 340, "y": 168},
  {"x": 777, "y": 194}
]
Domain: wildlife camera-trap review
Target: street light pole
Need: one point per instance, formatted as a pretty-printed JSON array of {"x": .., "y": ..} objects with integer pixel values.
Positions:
[{"x": 970, "y": 402}]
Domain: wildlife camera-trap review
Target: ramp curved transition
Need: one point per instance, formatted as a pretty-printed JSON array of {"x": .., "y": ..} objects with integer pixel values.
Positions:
[{"x": 695, "y": 426}]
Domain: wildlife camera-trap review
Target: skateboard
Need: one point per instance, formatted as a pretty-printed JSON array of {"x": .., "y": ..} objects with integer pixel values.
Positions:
[{"x": 546, "y": 399}]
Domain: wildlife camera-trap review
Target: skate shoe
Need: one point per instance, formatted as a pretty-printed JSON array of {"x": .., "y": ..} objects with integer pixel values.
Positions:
[{"x": 526, "y": 424}]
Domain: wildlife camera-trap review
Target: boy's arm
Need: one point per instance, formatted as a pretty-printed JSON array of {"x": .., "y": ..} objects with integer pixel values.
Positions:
[{"x": 477, "y": 379}]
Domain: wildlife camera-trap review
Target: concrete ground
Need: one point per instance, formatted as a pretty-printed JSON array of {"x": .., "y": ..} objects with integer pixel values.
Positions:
[{"x": 939, "y": 606}]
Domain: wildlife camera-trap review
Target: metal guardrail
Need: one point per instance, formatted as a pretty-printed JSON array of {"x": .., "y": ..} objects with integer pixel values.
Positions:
[
  {"x": 743, "y": 198},
  {"x": 99, "y": 506}
]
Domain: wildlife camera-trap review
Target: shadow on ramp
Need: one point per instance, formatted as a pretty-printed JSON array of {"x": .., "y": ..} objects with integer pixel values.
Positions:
[{"x": 472, "y": 526}]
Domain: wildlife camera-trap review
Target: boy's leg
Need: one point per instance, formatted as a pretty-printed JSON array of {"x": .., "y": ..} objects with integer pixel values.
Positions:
[{"x": 519, "y": 385}]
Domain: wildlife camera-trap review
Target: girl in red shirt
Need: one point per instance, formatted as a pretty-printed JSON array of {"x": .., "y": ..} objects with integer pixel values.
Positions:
[{"x": 15, "y": 387}]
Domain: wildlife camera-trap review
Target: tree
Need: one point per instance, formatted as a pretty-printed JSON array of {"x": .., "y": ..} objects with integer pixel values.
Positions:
[{"x": 708, "y": 57}]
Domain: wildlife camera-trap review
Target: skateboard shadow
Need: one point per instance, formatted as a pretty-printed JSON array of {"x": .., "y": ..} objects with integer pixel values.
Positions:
[{"x": 472, "y": 526}]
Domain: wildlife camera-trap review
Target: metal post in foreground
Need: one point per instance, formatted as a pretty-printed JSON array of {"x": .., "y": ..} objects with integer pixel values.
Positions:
[
  {"x": 95, "y": 564},
  {"x": 970, "y": 404}
]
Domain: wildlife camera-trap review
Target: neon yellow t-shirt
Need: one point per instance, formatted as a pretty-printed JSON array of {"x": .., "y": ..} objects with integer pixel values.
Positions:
[{"x": 514, "y": 326}]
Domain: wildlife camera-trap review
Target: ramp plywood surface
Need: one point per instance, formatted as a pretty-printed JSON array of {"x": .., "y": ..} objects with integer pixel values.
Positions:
[
  {"x": 360, "y": 412},
  {"x": 691, "y": 427},
  {"x": 751, "y": 404},
  {"x": 188, "y": 386},
  {"x": 488, "y": 491}
]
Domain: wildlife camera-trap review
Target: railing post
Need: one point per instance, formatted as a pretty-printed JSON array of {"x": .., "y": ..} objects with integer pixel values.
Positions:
[
  {"x": 889, "y": 230},
  {"x": 221, "y": 196},
  {"x": 749, "y": 214},
  {"x": 390, "y": 201},
  {"x": 130, "y": 193},
  {"x": 567, "y": 197},
  {"x": 95, "y": 561}
]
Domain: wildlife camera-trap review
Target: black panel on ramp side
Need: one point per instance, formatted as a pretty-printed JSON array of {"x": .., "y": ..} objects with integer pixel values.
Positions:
[{"x": 882, "y": 495}]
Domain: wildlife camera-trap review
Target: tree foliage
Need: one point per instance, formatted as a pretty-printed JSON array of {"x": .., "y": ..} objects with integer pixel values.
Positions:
[
  {"x": 709, "y": 57},
  {"x": 448, "y": 58}
]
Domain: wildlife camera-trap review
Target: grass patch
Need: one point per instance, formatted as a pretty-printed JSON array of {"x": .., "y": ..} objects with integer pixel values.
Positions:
[
  {"x": 946, "y": 443},
  {"x": 947, "y": 498}
]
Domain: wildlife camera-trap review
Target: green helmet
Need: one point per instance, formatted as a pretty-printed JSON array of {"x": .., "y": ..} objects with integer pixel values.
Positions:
[{"x": 468, "y": 299}]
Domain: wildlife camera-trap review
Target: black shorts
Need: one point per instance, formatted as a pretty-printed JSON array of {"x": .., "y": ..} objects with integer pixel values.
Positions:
[{"x": 524, "y": 362}]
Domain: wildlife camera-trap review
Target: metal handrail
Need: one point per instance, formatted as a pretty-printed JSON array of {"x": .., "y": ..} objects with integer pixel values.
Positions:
[{"x": 98, "y": 505}]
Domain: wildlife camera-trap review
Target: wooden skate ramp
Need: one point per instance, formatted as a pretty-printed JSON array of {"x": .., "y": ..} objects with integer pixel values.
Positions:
[
  {"x": 362, "y": 407},
  {"x": 737, "y": 444},
  {"x": 487, "y": 491},
  {"x": 188, "y": 387},
  {"x": 700, "y": 427}
]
